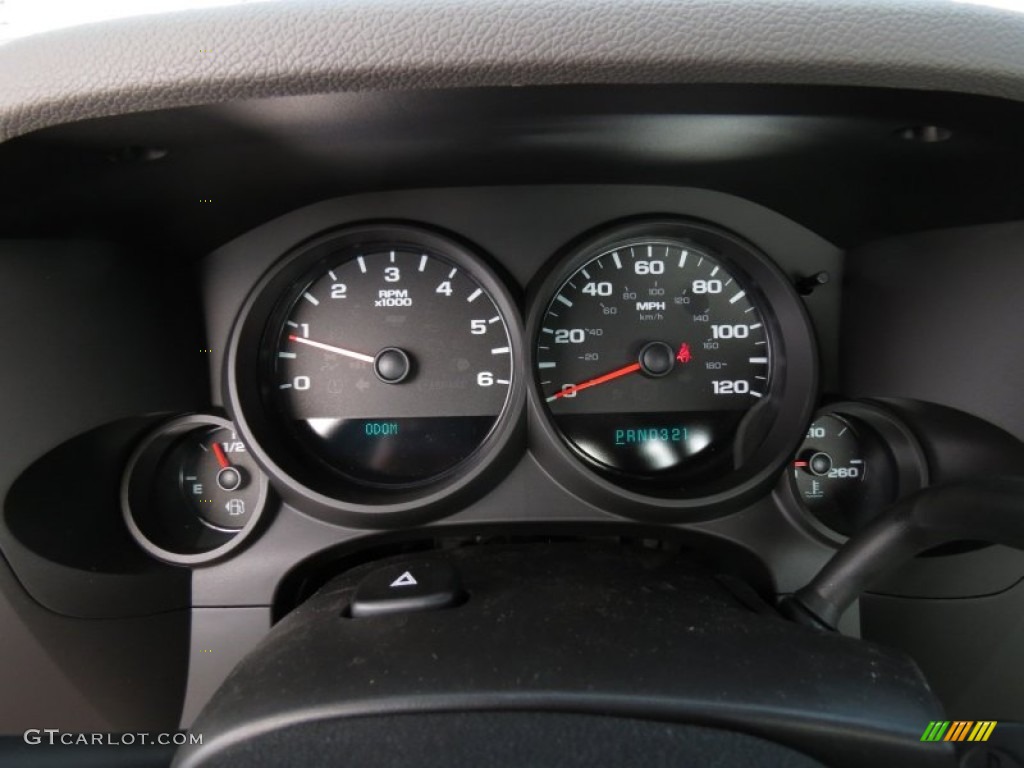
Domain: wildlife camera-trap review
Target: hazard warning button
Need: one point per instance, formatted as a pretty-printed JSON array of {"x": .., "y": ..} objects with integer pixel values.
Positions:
[{"x": 421, "y": 585}]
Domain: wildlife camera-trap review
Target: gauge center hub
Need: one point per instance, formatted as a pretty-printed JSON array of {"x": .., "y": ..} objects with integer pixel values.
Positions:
[
  {"x": 392, "y": 365},
  {"x": 229, "y": 479},
  {"x": 657, "y": 359},
  {"x": 820, "y": 463}
]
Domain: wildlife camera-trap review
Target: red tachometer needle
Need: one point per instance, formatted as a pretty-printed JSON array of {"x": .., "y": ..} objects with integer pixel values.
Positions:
[
  {"x": 222, "y": 457},
  {"x": 623, "y": 371},
  {"x": 335, "y": 350}
]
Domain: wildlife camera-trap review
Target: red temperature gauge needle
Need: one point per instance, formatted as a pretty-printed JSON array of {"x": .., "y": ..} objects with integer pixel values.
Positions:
[
  {"x": 623, "y": 371},
  {"x": 335, "y": 350},
  {"x": 222, "y": 457}
]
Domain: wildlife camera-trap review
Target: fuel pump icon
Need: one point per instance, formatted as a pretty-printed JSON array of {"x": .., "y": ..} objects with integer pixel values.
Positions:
[{"x": 235, "y": 507}]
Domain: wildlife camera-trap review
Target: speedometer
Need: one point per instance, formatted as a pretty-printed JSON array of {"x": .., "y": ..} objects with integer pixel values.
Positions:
[
  {"x": 650, "y": 355},
  {"x": 659, "y": 357}
]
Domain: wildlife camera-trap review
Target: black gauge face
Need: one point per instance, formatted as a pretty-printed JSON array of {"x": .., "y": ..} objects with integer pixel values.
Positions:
[
  {"x": 649, "y": 356},
  {"x": 388, "y": 364},
  {"x": 842, "y": 474},
  {"x": 831, "y": 465},
  {"x": 217, "y": 478}
]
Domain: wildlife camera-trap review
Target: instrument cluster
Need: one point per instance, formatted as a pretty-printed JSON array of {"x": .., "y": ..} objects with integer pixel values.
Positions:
[
  {"x": 385, "y": 372},
  {"x": 666, "y": 365}
]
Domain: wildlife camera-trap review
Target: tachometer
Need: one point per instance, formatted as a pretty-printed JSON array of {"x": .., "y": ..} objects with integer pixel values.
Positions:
[
  {"x": 659, "y": 357},
  {"x": 387, "y": 364}
]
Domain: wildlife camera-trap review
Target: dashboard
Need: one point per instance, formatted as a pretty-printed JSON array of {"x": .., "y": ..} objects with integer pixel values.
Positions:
[{"x": 255, "y": 341}]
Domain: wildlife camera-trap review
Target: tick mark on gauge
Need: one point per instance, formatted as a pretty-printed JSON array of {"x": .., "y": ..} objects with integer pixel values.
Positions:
[
  {"x": 755, "y": 326},
  {"x": 285, "y": 386},
  {"x": 546, "y": 365},
  {"x": 287, "y": 355},
  {"x": 682, "y": 259},
  {"x": 392, "y": 257},
  {"x": 423, "y": 262},
  {"x": 756, "y": 394},
  {"x": 474, "y": 295},
  {"x": 362, "y": 264},
  {"x": 547, "y": 330},
  {"x": 494, "y": 319},
  {"x": 737, "y": 297},
  {"x": 714, "y": 271},
  {"x": 502, "y": 381},
  {"x": 759, "y": 359},
  {"x": 311, "y": 299},
  {"x": 452, "y": 273},
  {"x": 564, "y": 300},
  {"x": 499, "y": 351},
  {"x": 293, "y": 325},
  {"x": 616, "y": 259},
  {"x": 586, "y": 275}
]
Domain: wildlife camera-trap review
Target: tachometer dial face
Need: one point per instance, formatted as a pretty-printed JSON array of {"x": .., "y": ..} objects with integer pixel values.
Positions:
[
  {"x": 649, "y": 356},
  {"x": 389, "y": 364}
]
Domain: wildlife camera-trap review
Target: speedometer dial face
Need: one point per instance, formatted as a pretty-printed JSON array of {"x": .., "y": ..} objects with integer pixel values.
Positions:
[
  {"x": 388, "y": 364},
  {"x": 649, "y": 356}
]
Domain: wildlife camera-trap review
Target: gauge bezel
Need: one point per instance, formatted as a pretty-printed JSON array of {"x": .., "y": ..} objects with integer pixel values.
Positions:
[
  {"x": 326, "y": 495},
  {"x": 791, "y": 397},
  {"x": 144, "y": 462}
]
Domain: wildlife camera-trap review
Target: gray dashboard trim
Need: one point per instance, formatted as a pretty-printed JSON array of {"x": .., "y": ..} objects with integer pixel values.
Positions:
[{"x": 283, "y": 48}]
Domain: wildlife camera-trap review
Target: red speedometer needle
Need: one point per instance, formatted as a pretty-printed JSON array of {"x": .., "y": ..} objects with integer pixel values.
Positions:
[
  {"x": 623, "y": 371},
  {"x": 222, "y": 458},
  {"x": 335, "y": 350}
]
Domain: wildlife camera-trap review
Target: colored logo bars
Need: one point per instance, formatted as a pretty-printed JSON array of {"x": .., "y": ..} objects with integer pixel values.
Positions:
[{"x": 958, "y": 730}]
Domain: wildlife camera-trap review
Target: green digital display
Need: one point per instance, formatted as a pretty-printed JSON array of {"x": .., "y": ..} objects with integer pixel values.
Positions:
[
  {"x": 380, "y": 428},
  {"x": 649, "y": 435}
]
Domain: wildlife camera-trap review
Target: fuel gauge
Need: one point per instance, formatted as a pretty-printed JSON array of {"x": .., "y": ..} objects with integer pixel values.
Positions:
[
  {"x": 216, "y": 478},
  {"x": 191, "y": 491}
]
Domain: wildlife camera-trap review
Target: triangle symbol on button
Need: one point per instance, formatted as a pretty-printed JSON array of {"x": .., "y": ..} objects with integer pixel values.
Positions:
[{"x": 405, "y": 580}]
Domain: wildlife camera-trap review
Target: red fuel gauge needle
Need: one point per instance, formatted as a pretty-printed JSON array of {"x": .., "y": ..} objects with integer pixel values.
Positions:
[
  {"x": 623, "y": 371},
  {"x": 222, "y": 457}
]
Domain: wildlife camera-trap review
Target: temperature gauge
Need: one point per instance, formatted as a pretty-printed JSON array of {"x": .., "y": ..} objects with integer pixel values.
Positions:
[
  {"x": 856, "y": 459},
  {"x": 191, "y": 491},
  {"x": 830, "y": 470}
]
